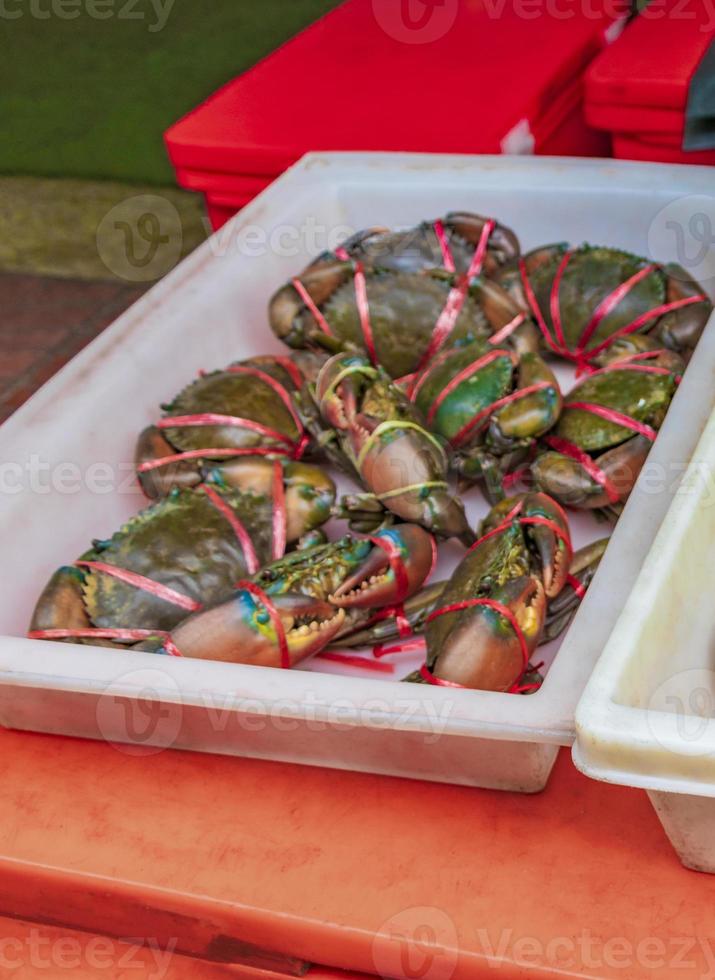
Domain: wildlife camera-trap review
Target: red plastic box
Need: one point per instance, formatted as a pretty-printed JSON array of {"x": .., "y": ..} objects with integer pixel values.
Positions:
[
  {"x": 475, "y": 77},
  {"x": 638, "y": 89}
]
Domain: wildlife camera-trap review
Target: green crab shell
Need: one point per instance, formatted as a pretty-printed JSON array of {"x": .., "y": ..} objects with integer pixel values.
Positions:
[
  {"x": 592, "y": 273},
  {"x": 496, "y": 561},
  {"x": 242, "y": 395},
  {"x": 183, "y": 542},
  {"x": 644, "y": 397},
  {"x": 404, "y": 309},
  {"x": 483, "y": 388}
]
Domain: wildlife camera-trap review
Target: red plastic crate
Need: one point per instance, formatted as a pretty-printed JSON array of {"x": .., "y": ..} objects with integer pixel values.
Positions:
[{"x": 355, "y": 80}]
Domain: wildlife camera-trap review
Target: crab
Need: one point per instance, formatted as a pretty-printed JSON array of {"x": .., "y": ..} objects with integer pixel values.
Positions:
[
  {"x": 596, "y": 450},
  {"x": 377, "y": 432},
  {"x": 447, "y": 242},
  {"x": 246, "y": 409},
  {"x": 585, "y": 298},
  {"x": 401, "y": 297},
  {"x": 178, "y": 554},
  {"x": 491, "y": 402},
  {"x": 295, "y": 607},
  {"x": 492, "y": 612}
]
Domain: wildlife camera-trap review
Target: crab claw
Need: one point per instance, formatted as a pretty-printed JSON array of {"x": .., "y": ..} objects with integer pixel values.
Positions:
[
  {"x": 288, "y": 314},
  {"x": 390, "y": 573},
  {"x": 338, "y": 387},
  {"x": 681, "y": 329},
  {"x": 554, "y": 548},
  {"x": 241, "y": 630},
  {"x": 158, "y": 480},
  {"x": 482, "y": 650},
  {"x": 568, "y": 481},
  {"x": 309, "y": 490}
]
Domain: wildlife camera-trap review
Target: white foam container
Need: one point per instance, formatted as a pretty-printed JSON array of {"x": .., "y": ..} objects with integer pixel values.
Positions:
[
  {"x": 647, "y": 716},
  {"x": 212, "y": 309}
]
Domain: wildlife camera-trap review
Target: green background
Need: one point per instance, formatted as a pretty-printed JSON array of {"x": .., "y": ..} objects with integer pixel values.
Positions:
[{"x": 91, "y": 98}]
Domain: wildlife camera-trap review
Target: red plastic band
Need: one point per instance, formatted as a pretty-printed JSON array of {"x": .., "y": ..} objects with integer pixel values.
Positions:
[
  {"x": 644, "y": 318},
  {"x": 95, "y": 633},
  {"x": 396, "y": 564},
  {"x": 171, "y": 648},
  {"x": 554, "y": 299},
  {"x": 567, "y": 448},
  {"x": 290, "y": 368},
  {"x": 361, "y": 302},
  {"x": 277, "y": 387},
  {"x": 155, "y": 464},
  {"x": 404, "y": 646},
  {"x": 308, "y": 300},
  {"x": 507, "y": 330},
  {"x": 351, "y": 660},
  {"x": 447, "y": 259},
  {"x": 498, "y": 607},
  {"x": 618, "y": 418},
  {"x": 578, "y": 586},
  {"x": 462, "y": 376},
  {"x": 466, "y": 429},
  {"x": 431, "y": 679},
  {"x": 259, "y": 594},
  {"x": 418, "y": 378},
  {"x": 279, "y": 517},
  {"x": 145, "y": 584},
  {"x": 515, "y": 515},
  {"x": 632, "y": 363},
  {"x": 210, "y": 418},
  {"x": 537, "y": 314},
  {"x": 456, "y": 297},
  {"x": 608, "y": 305},
  {"x": 242, "y": 535}
]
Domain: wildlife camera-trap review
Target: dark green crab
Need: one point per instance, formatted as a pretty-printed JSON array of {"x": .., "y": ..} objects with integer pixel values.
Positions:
[
  {"x": 607, "y": 426},
  {"x": 491, "y": 403},
  {"x": 492, "y": 613},
  {"x": 186, "y": 550},
  {"x": 584, "y": 298},
  {"x": 400, "y": 296},
  {"x": 296, "y": 606},
  {"x": 221, "y": 416}
]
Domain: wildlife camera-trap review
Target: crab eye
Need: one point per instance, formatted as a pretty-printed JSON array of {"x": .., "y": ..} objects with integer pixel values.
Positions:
[{"x": 262, "y": 616}]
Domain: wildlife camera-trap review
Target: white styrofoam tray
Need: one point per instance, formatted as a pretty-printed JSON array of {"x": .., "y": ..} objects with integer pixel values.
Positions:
[
  {"x": 647, "y": 716},
  {"x": 67, "y": 477}
]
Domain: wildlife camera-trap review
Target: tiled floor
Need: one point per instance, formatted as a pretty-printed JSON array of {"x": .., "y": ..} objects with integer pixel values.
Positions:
[{"x": 45, "y": 322}]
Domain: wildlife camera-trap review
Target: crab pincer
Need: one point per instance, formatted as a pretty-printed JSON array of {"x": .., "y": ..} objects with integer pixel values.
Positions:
[
  {"x": 252, "y": 628},
  {"x": 492, "y": 613},
  {"x": 402, "y": 465},
  {"x": 297, "y": 606}
]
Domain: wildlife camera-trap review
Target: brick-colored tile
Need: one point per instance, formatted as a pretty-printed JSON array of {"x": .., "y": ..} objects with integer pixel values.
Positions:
[{"x": 45, "y": 322}]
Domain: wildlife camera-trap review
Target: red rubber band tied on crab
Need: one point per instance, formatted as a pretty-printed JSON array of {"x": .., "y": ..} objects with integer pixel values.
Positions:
[
  {"x": 289, "y": 447},
  {"x": 579, "y": 354}
]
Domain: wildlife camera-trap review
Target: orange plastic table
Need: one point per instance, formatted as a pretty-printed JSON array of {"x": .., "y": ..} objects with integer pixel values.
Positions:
[{"x": 276, "y": 866}]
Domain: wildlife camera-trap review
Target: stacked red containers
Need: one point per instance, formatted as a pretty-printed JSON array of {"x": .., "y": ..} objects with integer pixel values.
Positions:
[
  {"x": 488, "y": 76},
  {"x": 638, "y": 89}
]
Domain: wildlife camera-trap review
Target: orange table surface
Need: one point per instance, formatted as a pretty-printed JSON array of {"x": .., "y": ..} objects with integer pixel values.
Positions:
[{"x": 227, "y": 859}]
